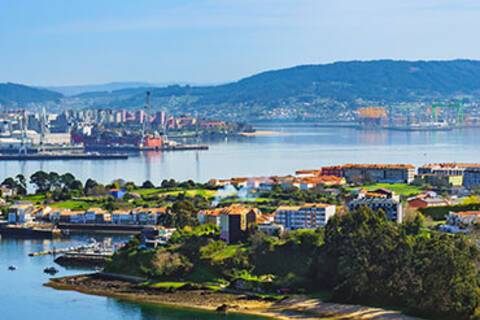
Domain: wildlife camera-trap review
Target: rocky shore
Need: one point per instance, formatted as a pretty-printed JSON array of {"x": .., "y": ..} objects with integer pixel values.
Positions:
[{"x": 295, "y": 307}]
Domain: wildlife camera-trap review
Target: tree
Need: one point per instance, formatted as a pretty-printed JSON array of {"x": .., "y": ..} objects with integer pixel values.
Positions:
[
  {"x": 148, "y": 185},
  {"x": 67, "y": 180},
  {"x": 184, "y": 214},
  {"x": 41, "y": 181},
  {"x": 89, "y": 185}
]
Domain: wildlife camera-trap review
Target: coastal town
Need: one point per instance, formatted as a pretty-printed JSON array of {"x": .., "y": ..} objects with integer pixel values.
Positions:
[
  {"x": 444, "y": 193},
  {"x": 227, "y": 237}
]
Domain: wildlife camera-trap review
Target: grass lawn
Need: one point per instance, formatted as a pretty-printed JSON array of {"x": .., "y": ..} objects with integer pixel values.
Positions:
[
  {"x": 147, "y": 192},
  {"x": 228, "y": 252},
  {"x": 34, "y": 197},
  {"x": 206, "y": 193},
  {"x": 74, "y": 205},
  {"x": 247, "y": 200},
  {"x": 402, "y": 189}
]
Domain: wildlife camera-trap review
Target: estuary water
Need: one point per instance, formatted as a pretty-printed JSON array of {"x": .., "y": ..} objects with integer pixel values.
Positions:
[
  {"x": 287, "y": 148},
  {"x": 23, "y": 296}
]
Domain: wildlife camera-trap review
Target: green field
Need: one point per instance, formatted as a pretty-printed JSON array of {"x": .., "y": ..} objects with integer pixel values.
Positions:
[
  {"x": 402, "y": 189},
  {"x": 34, "y": 197},
  {"x": 206, "y": 193},
  {"x": 74, "y": 205}
]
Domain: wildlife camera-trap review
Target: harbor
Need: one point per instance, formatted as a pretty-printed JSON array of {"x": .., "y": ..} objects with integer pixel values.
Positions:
[{"x": 63, "y": 156}]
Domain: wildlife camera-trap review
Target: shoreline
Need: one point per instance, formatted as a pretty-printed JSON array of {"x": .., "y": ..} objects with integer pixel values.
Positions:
[
  {"x": 261, "y": 133},
  {"x": 295, "y": 307}
]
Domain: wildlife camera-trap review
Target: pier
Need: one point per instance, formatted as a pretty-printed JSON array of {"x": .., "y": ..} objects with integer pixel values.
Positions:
[{"x": 62, "y": 156}]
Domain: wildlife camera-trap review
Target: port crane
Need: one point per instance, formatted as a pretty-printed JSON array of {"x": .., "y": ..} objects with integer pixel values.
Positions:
[
  {"x": 458, "y": 110},
  {"x": 23, "y": 135},
  {"x": 145, "y": 120}
]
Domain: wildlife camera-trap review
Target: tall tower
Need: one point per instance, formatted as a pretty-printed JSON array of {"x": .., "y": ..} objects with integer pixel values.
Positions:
[{"x": 146, "y": 118}]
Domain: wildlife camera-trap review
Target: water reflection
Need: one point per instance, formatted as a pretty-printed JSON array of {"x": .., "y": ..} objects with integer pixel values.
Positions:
[{"x": 284, "y": 151}]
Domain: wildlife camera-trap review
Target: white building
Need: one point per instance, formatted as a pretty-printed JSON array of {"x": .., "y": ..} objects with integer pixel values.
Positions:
[
  {"x": 20, "y": 214},
  {"x": 123, "y": 217},
  {"x": 308, "y": 216}
]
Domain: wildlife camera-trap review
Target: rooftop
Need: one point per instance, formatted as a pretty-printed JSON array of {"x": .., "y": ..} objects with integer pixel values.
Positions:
[{"x": 379, "y": 166}]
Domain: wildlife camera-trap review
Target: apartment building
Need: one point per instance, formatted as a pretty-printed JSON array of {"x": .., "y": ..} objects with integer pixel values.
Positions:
[
  {"x": 375, "y": 173},
  {"x": 308, "y": 216}
]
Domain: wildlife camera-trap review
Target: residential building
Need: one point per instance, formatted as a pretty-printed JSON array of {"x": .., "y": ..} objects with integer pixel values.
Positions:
[
  {"x": 307, "y": 216},
  {"x": 446, "y": 169},
  {"x": 237, "y": 222},
  {"x": 66, "y": 216},
  {"x": 463, "y": 218},
  {"x": 471, "y": 177},
  {"x": 423, "y": 202},
  {"x": 123, "y": 217},
  {"x": 211, "y": 216},
  {"x": 375, "y": 173},
  {"x": 7, "y": 192},
  {"x": 20, "y": 213},
  {"x": 146, "y": 216},
  {"x": 117, "y": 193},
  {"x": 392, "y": 207},
  {"x": 442, "y": 180},
  {"x": 97, "y": 215}
]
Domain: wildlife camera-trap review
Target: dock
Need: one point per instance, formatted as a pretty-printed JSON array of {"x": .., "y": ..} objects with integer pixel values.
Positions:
[
  {"x": 14, "y": 231},
  {"x": 62, "y": 156},
  {"x": 55, "y": 251},
  {"x": 132, "y": 148}
]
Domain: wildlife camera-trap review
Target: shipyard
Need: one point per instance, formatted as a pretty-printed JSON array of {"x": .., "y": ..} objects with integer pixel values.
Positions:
[{"x": 104, "y": 134}]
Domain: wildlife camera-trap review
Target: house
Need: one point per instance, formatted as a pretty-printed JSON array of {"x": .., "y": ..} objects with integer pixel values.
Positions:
[
  {"x": 237, "y": 222},
  {"x": 162, "y": 215},
  {"x": 43, "y": 213},
  {"x": 145, "y": 216},
  {"x": 66, "y": 216},
  {"x": 426, "y": 202},
  {"x": 20, "y": 213},
  {"x": 7, "y": 192},
  {"x": 307, "y": 216},
  {"x": 117, "y": 193},
  {"x": 378, "y": 193},
  {"x": 463, "y": 218},
  {"x": 123, "y": 217},
  {"x": 97, "y": 215},
  {"x": 211, "y": 216}
]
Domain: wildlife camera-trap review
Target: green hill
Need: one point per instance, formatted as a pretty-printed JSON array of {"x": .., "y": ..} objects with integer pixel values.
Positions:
[
  {"x": 17, "y": 94},
  {"x": 381, "y": 80}
]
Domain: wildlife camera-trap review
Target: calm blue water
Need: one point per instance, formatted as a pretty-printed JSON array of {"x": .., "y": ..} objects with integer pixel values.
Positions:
[
  {"x": 293, "y": 147},
  {"x": 22, "y": 295}
]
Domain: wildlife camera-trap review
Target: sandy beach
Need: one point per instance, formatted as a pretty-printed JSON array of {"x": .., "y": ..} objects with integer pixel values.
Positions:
[{"x": 295, "y": 307}]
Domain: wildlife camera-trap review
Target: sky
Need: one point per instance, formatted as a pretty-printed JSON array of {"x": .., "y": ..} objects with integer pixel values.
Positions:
[{"x": 76, "y": 42}]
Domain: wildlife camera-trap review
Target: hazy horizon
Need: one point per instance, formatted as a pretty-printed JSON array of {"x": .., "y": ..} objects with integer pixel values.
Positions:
[{"x": 56, "y": 43}]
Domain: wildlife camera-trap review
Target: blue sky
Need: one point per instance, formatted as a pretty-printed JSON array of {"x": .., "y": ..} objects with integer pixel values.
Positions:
[{"x": 60, "y": 42}]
